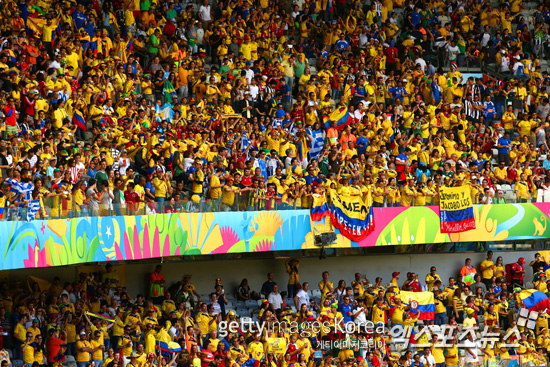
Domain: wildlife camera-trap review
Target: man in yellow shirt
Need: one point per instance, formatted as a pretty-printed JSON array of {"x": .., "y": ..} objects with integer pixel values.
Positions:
[
  {"x": 409, "y": 193},
  {"x": 431, "y": 278},
  {"x": 98, "y": 348},
  {"x": 256, "y": 348},
  {"x": 486, "y": 267},
  {"x": 501, "y": 174},
  {"x": 509, "y": 120},
  {"x": 83, "y": 350},
  {"x": 246, "y": 49},
  {"x": 325, "y": 285}
]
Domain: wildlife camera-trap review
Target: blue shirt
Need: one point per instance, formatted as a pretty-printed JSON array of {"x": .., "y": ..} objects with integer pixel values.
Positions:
[
  {"x": 341, "y": 45},
  {"x": 284, "y": 90},
  {"x": 503, "y": 141},
  {"x": 415, "y": 18},
  {"x": 489, "y": 110},
  {"x": 79, "y": 19},
  {"x": 360, "y": 91},
  {"x": 362, "y": 140},
  {"x": 398, "y": 92},
  {"x": 345, "y": 309}
]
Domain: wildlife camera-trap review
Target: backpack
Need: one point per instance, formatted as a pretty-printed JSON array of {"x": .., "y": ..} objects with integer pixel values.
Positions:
[{"x": 509, "y": 274}]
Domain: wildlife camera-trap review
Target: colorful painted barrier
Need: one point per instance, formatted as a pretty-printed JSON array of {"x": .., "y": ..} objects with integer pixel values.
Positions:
[{"x": 84, "y": 240}]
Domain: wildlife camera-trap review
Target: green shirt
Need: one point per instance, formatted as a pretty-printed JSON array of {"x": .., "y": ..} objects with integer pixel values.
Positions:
[
  {"x": 100, "y": 177},
  {"x": 170, "y": 14},
  {"x": 153, "y": 46},
  {"x": 145, "y": 5}
]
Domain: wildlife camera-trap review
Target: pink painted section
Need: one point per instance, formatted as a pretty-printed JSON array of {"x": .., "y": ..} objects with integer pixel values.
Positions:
[{"x": 543, "y": 207}]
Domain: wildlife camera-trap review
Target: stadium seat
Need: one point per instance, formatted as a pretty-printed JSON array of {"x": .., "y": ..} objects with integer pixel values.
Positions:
[
  {"x": 241, "y": 311},
  {"x": 229, "y": 303},
  {"x": 229, "y": 296},
  {"x": 18, "y": 363},
  {"x": 529, "y": 285},
  {"x": 238, "y": 303},
  {"x": 246, "y": 319},
  {"x": 251, "y": 304},
  {"x": 316, "y": 293},
  {"x": 70, "y": 359},
  {"x": 443, "y": 19},
  {"x": 510, "y": 197},
  {"x": 229, "y": 309}
]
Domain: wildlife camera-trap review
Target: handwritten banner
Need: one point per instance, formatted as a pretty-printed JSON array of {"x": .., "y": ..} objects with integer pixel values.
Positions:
[
  {"x": 276, "y": 345},
  {"x": 352, "y": 216},
  {"x": 456, "y": 210}
]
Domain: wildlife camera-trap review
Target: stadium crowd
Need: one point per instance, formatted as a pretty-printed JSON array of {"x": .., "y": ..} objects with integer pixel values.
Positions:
[
  {"x": 95, "y": 321},
  {"x": 128, "y": 107}
]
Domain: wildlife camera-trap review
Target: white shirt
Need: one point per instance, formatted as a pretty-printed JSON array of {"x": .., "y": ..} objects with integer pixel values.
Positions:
[
  {"x": 254, "y": 90},
  {"x": 123, "y": 164},
  {"x": 516, "y": 66},
  {"x": 303, "y": 298},
  {"x": 275, "y": 299},
  {"x": 485, "y": 39},
  {"x": 217, "y": 308},
  {"x": 249, "y": 75},
  {"x": 360, "y": 319},
  {"x": 473, "y": 347},
  {"x": 453, "y": 51},
  {"x": 428, "y": 361},
  {"x": 363, "y": 39},
  {"x": 200, "y": 35},
  {"x": 504, "y": 63},
  {"x": 422, "y": 64},
  {"x": 205, "y": 13}
]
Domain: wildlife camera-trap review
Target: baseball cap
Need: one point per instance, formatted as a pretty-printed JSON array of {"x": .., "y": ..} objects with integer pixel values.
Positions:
[
  {"x": 521, "y": 260},
  {"x": 395, "y": 273}
]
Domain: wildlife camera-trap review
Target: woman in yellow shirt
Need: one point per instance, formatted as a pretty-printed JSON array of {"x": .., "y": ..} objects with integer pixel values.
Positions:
[
  {"x": 28, "y": 350},
  {"x": 420, "y": 199},
  {"x": 491, "y": 317}
]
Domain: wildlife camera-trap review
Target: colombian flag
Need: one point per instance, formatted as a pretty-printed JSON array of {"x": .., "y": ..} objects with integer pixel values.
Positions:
[
  {"x": 534, "y": 300},
  {"x": 341, "y": 116},
  {"x": 11, "y": 56},
  {"x": 456, "y": 210},
  {"x": 352, "y": 216},
  {"x": 78, "y": 120},
  {"x": 320, "y": 209},
  {"x": 102, "y": 317},
  {"x": 420, "y": 302},
  {"x": 167, "y": 348}
]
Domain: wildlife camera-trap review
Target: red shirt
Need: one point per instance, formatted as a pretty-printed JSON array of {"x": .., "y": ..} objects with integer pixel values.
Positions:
[
  {"x": 53, "y": 346},
  {"x": 391, "y": 55},
  {"x": 291, "y": 348},
  {"x": 246, "y": 180},
  {"x": 9, "y": 111},
  {"x": 132, "y": 198},
  {"x": 515, "y": 268}
]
